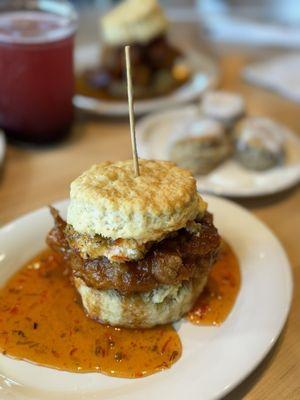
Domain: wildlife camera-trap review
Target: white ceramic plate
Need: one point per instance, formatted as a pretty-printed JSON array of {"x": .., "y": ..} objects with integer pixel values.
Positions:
[
  {"x": 2, "y": 147},
  {"x": 230, "y": 178},
  {"x": 205, "y": 75},
  {"x": 214, "y": 360}
]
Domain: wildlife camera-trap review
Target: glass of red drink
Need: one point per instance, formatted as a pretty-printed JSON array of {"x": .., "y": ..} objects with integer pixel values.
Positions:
[{"x": 36, "y": 69}]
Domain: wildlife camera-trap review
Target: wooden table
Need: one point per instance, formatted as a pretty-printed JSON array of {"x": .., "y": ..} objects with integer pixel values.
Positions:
[{"x": 33, "y": 178}]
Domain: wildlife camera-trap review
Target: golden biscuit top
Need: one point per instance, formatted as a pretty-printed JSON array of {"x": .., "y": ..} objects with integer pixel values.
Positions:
[
  {"x": 109, "y": 200},
  {"x": 160, "y": 183},
  {"x": 133, "y": 21}
]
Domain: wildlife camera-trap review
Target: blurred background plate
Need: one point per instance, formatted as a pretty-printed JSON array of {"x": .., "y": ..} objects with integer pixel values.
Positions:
[
  {"x": 204, "y": 76},
  {"x": 230, "y": 178}
]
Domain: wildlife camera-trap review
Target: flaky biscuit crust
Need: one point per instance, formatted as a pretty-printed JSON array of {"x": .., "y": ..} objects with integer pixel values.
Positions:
[
  {"x": 110, "y": 201},
  {"x": 133, "y": 21},
  {"x": 166, "y": 304}
]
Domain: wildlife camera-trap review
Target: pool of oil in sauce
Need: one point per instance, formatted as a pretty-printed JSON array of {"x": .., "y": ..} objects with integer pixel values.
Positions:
[{"x": 42, "y": 321}]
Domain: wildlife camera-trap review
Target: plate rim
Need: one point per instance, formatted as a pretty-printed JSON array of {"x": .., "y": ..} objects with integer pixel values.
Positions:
[
  {"x": 2, "y": 147},
  {"x": 287, "y": 269},
  {"x": 290, "y": 279}
]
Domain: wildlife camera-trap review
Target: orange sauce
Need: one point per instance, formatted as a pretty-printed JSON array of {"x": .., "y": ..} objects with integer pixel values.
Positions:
[
  {"x": 181, "y": 74},
  {"x": 42, "y": 321},
  {"x": 218, "y": 297}
]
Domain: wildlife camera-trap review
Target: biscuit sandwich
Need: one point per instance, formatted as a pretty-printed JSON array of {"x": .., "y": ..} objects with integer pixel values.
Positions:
[
  {"x": 139, "y": 248},
  {"x": 156, "y": 64}
]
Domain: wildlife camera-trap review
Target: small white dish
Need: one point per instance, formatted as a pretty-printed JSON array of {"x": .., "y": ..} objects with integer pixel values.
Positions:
[
  {"x": 214, "y": 359},
  {"x": 204, "y": 77},
  {"x": 230, "y": 178}
]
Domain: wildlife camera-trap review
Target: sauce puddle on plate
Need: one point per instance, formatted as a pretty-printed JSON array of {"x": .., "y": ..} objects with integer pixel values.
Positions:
[
  {"x": 42, "y": 321},
  {"x": 219, "y": 295}
]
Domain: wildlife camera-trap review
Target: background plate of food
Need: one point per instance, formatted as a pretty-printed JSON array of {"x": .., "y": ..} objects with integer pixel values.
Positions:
[
  {"x": 214, "y": 358},
  {"x": 202, "y": 72},
  {"x": 237, "y": 156},
  {"x": 164, "y": 74}
]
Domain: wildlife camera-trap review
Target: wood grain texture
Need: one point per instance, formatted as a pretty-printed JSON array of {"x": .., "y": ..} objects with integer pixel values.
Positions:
[{"x": 33, "y": 178}]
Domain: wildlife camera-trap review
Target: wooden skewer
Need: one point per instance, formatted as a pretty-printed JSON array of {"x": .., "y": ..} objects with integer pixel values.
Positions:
[{"x": 131, "y": 112}]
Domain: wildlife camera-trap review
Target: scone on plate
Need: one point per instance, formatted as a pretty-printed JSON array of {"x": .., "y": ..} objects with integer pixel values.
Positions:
[
  {"x": 140, "y": 248},
  {"x": 156, "y": 65},
  {"x": 199, "y": 146},
  {"x": 226, "y": 107},
  {"x": 259, "y": 143}
]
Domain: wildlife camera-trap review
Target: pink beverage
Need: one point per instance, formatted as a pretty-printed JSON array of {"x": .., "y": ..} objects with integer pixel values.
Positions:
[{"x": 36, "y": 74}]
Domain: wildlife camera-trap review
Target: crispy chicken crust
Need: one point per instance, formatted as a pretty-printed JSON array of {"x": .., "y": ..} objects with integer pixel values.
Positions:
[{"x": 170, "y": 261}]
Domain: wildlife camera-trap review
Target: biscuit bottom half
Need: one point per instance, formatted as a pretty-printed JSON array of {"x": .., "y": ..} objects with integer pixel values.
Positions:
[{"x": 162, "y": 305}]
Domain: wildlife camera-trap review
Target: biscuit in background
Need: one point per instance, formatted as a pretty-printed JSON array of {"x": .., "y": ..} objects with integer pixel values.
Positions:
[
  {"x": 223, "y": 106},
  {"x": 259, "y": 143},
  {"x": 200, "y": 146}
]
